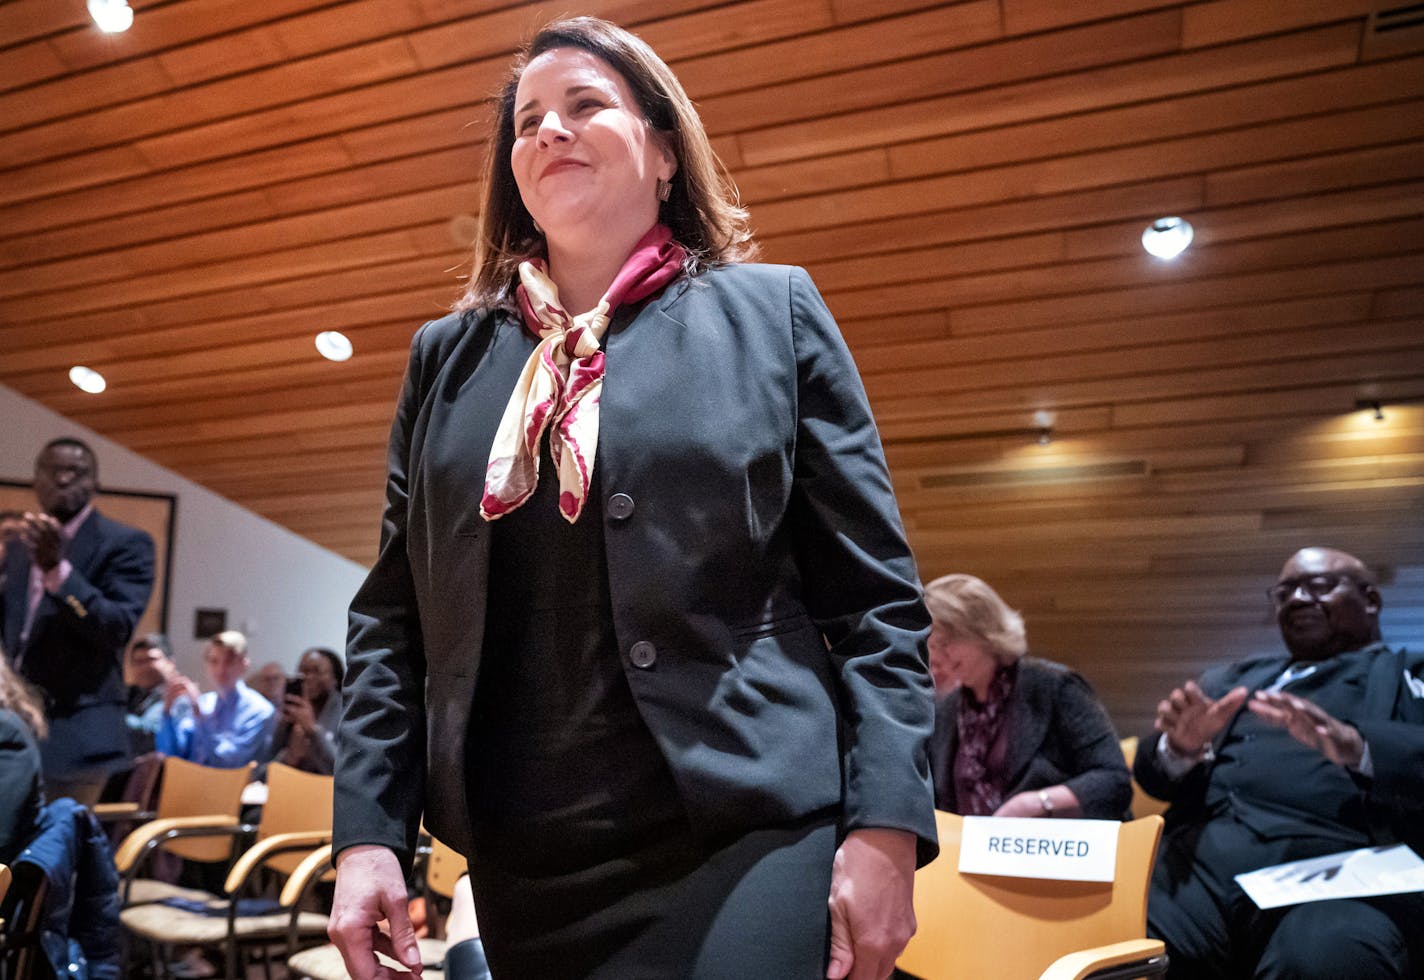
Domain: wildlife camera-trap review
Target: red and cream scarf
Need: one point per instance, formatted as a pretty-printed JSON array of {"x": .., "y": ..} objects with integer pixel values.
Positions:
[{"x": 562, "y": 382}]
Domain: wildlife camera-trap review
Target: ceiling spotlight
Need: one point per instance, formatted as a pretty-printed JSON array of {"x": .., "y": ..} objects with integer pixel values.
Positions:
[
  {"x": 333, "y": 345},
  {"x": 1167, "y": 238},
  {"x": 87, "y": 379},
  {"x": 1043, "y": 420},
  {"x": 112, "y": 16}
]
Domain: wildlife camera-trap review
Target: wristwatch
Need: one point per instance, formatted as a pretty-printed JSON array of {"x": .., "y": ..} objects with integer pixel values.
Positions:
[{"x": 1045, "y": 802}]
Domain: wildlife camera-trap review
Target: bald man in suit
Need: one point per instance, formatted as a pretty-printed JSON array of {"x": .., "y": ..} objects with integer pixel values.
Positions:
[{"x": 1288, "y": 756}]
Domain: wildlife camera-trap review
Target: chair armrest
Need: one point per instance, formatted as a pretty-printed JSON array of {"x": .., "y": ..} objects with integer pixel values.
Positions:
[
  {"x": 313, "y": 866},
  {"x": 312, "y": 869},
  {"x": 258, "y": 854},
  {"x": 1076, "y": 966},
  {"x": 114, "y": 812},
  {"x": 153, "y": 833}
]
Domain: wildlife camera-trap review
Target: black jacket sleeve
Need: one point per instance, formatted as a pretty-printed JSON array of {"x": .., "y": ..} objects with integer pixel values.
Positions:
[
  {"x": 380, "y": 772},
  {"x": 861, "y": 584}
]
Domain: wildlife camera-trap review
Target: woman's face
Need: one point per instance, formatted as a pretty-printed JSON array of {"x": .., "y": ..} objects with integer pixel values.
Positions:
[
  {"x": 583, "y": 154},
  {"x": 318, "y": 679},
  {"x": 955, "y": 661}
]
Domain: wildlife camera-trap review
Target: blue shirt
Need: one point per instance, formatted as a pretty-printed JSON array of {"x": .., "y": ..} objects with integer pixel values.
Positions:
[{"x": 232, "y": 728}]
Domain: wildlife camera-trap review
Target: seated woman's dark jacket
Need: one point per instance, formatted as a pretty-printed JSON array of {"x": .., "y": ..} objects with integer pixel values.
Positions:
[
  {"x": 1059, "y": 734},
  {"x": 21, "y": 794}
]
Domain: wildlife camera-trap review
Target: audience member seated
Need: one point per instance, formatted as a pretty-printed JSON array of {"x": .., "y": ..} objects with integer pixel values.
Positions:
[
  {"x": 22, "y": 722},
  {"x": 1015, "y": 736},
  {"x": 270, "y": 681},
  {"x": 147, "y": 669},
  {"x": 1327, "y": 756},
  {"x": 305, "y": 737},
  {"x": 226, "y": 727}
]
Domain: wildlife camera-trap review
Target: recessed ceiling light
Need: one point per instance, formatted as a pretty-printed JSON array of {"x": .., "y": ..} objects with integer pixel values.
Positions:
[
  {"x": 1167, "y": 238},
  {"x": 87, "y": 379},
  {"x": 112, "y": 16},
  {"x": 333, "y": 345}
]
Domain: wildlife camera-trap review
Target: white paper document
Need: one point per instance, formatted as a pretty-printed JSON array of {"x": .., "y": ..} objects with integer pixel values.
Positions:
[
  {"x": 1390, "y": 870},
  {"x": 1058, "y": 850}
]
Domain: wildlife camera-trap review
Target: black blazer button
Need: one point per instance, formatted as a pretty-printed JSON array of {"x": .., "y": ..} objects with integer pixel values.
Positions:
[
  {"x": 620, "y": 506},
  {"x": 643, "y": 654}
]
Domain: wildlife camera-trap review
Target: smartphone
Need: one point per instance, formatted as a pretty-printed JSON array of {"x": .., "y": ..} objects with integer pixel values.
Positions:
[{"x": 294, "y": 686}]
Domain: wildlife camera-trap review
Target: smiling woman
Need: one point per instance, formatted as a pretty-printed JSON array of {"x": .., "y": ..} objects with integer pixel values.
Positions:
[{"x": 671, "y": 697}]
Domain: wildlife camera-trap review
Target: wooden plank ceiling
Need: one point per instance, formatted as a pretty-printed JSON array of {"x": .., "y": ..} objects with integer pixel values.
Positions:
[{"x": 185, "y": 205}]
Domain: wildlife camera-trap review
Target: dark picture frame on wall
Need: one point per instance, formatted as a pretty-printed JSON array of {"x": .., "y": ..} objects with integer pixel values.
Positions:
[{"x": 155, "y": 513}]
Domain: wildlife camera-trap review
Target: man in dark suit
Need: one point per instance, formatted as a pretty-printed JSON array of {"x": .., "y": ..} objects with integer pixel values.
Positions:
[
  {"x": 1283, "y": 757},
  {"x": 74, "y": 585}
]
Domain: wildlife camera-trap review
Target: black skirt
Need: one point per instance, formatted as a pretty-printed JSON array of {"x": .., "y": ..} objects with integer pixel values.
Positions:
[{"x": 584, "y": 863}]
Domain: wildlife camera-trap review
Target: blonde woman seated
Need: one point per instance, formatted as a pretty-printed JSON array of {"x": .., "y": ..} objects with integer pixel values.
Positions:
[{"x": 1015, "y": 736}]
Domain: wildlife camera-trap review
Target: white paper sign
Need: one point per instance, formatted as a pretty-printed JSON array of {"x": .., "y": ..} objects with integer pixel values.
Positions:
[
  {"x": 1058, "y": 850},
  {"x": 1391, "y": 870}
]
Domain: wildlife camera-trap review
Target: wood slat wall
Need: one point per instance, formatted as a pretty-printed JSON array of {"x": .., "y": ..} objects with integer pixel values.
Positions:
[{"x": 185, "y": 205}]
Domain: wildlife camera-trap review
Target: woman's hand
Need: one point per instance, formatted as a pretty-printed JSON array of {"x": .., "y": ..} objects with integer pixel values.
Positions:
[
  {"x": 872, "y": 917},
  {"x": 369, "y": 889},
  {"x": 1029, "y": 803},
  {"x": 1021, "y": 805},
  {"x": 299, "y": 714}
]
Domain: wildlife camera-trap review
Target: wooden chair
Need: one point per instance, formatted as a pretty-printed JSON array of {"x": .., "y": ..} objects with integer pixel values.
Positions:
[
  {"x": 191, "y": 800},
  {"x": 443, "y": 868},
  {"x": 1142, "y": 804},
  {"x": 1019, "y": 928},
  {"x": 296, "y": 820},
  {"x": 22, "y": 911}
]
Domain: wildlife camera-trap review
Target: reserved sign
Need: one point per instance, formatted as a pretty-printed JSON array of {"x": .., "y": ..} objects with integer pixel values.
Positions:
[{"x": 1058, "y": 850}]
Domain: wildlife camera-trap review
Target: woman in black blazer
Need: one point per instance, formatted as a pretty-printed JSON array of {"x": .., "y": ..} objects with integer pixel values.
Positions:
[
  {"x": 644, "y": 638},
  {"x": 1015, "y": 736}
]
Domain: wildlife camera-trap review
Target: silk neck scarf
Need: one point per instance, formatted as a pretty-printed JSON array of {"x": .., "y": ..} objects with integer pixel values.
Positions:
[
  {"x": 979, "y": 728},
  {"x": 561, "y": 384}
]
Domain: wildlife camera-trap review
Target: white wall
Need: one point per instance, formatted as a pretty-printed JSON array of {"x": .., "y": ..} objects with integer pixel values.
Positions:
[{"x": 284, "y": 592}]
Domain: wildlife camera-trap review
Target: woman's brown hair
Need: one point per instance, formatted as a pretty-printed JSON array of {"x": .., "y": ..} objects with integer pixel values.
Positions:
[{"x": 702, "y": 209}]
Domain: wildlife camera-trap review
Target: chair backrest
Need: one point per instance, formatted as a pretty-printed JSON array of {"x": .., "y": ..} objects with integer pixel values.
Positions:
[
  {"x": 992, "y": 926},
  {"x": 1142, "y": 804},
  {"x": 23, "y": 913},
  {"x": 296, "y": 802},
  {"x": 191, "y": 790},
  {"x": 443, "y": 868}
]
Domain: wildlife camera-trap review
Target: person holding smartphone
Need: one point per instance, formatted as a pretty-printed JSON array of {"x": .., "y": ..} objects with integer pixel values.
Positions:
[{"x": 305, "y": 736}]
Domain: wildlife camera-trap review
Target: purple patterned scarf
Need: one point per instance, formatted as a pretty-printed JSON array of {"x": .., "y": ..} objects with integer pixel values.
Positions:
[{"x": 979, "y": 727}]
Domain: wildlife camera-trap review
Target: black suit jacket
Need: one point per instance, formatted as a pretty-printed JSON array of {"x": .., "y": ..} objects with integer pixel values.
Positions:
[
  {"x": 760, "y": 560},
  {"x": 76, "y": 644},
  {"x": 1060, "y": 734},
  {"x": 1389, "y": 695}
]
